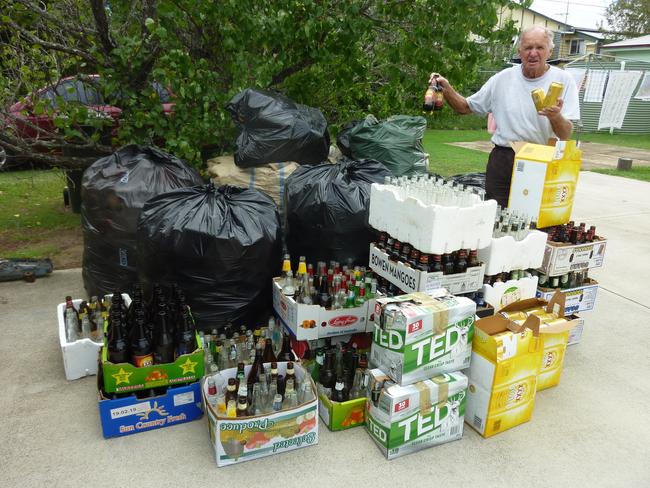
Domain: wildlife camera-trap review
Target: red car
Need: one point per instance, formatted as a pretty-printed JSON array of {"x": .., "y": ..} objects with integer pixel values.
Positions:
[{"x": 71, "y": 89}]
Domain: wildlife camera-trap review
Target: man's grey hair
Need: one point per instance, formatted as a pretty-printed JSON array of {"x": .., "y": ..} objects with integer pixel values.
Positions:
[{"x": 549, "y": 35}]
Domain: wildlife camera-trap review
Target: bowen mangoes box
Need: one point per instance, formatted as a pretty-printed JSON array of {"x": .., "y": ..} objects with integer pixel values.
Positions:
[
  {"x": 342, "y": 415},
  {"x": 124, "y": 377},
  {"x": 406, "y": 419},
  {"x": 130, "y": 415},
  {"x": 418, "y": 336},
  {"x": 240, "y": 439},
  {"x": 412, "y": 280}
]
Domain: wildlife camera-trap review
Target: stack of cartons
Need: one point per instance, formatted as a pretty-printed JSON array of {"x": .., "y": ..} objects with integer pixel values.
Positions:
[
  {"x": 123, "y": 411},
  {"x": 417, "y": 394},
  {"x": 515, "y": 354},
  {"x": 561, "y": 258}
]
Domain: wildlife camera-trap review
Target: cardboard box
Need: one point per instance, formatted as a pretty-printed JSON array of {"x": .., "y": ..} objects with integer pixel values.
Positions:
[
  {"x": 80, "y": 356},
  {"x": 575, "y": 334},
  {"x": 561, "y": 258},
  {"x": 342, "y": 415},
  {"x": 505, "y": 253},
  {"x": 554, "y": 329},
  {"x": 236, "y": 440},
  {"x": 311, "y": 322},
  {"x": 124, "y": 416},
  {"x": 410, "y": 418},
  {"x": 413, "y": 280},
  {"x": 124, "y": 377},
  {"x": 502, "y": 375},
  {"x": 579, "y": 299},
  {"x": 544, "y": 179},
  {"x": 433, "y": 229},
  {"x": 418, "y": 336},
  {"x": 502, "y": 294}
]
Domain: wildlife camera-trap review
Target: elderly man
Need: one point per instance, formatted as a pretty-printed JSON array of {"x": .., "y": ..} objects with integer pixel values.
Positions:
[{"x": 507, "y": 96}]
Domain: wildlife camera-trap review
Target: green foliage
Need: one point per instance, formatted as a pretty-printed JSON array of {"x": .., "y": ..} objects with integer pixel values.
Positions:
[
  {"x": 631, "y": 17},
  {"x": 346, "y": 57}
]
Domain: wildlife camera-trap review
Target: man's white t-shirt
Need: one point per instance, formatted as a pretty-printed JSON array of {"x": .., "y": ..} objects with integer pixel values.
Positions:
[{"x": 507, "y": 96}]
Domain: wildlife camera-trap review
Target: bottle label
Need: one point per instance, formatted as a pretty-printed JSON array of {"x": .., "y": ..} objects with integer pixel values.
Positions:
[{"x": 143, "y": 361}]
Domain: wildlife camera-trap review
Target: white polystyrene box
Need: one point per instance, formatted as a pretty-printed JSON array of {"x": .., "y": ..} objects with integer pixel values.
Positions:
[
  {"x": 505, "y": 253},
  {"x": 501, "y": 294},
  {"x": 80, "y": 356},
  {"x": 433, "y": 229}
]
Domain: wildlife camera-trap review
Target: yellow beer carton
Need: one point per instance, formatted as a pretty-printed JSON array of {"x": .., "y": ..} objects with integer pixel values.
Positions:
[
  {"x": 502, "y": 376},
  {"x": 544, "y": 180},
  {"x": 554, "y": 329}
]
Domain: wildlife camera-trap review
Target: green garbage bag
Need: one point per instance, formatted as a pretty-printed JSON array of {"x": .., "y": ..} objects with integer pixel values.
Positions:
[{"x": 396, "y": 142}]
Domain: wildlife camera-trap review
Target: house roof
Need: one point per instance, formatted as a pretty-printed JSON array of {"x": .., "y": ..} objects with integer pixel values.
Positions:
[
  {"x": 643, "y": 41},
  {"x": 593, "y": 34}
]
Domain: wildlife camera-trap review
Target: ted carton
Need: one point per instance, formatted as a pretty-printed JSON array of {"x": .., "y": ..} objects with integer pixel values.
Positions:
[
  {"x": 418, "y": 336},
  {"x": 406, "y": 419}
]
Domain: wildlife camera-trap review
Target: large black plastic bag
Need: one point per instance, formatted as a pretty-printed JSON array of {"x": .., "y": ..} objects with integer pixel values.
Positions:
[
  {"x": 276, "y": 129},
  {"x": 326, "y": 209},
  {"x": 476, "y": 180},
  {"x": 396, "y": 142},
  {"x": 222, "y": 246},
  {"x": 113, "y": 192}
]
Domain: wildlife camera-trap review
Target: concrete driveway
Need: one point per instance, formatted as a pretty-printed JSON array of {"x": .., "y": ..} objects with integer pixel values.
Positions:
[
  {"x": 594, "y": 154},
  {"x": 591, "y": 430}
]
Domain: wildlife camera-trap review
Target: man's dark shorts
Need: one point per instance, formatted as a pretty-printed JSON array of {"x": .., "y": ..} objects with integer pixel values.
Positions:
[{"x": 499, "y": 174}]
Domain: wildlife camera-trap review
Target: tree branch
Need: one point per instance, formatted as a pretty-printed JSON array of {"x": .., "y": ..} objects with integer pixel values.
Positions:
[
  {"x": 290, "y": 70},
  {"x": 101, "y": 21},
  {"x": 52, "y": 45},
  {"x": 76, "y": 30}
]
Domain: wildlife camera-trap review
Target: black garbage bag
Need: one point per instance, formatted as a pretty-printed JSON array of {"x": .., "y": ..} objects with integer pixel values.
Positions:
[
  {"x": 396, "y": 142},
  {"x": 326, "y": 208},
  {"x": 222, "y": 246},
  {"x": 113, "y": 192},
  {"x": 274, "y": 129},
  {"x": 343, "y": 138},
  {"x": 476, "y": 180}
]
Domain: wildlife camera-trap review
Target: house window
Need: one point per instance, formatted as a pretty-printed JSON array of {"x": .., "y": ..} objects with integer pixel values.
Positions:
[{"x": 577, "y": 46}]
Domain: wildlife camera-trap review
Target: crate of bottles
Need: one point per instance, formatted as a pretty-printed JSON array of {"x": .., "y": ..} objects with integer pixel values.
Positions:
[
  {"x": 406, "y": 419},
  {"x": 311, "y": 322},
  {"x": 506, "y": 288},
  {"x": 81, "y": 334},
  {"x": 341, "y": 375},
  {"x": 433, "y": 216},
  {"x": 572, "y": 248},
  {"x": 150, "y": 349},
  {"x": 130, "y": 413},
  {"x": 461, "y": 274},
  {"x": 260, "y": 426},
  {"x": 580, "y": 292}
]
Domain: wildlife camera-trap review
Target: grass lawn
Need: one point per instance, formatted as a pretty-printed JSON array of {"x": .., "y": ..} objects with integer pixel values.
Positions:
[
  {"x": 447, "y": 160},
  {"x": 33, "y": 221},
  {"x": 638, "y": 173},
  {"x": 641, "y": 141}
]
